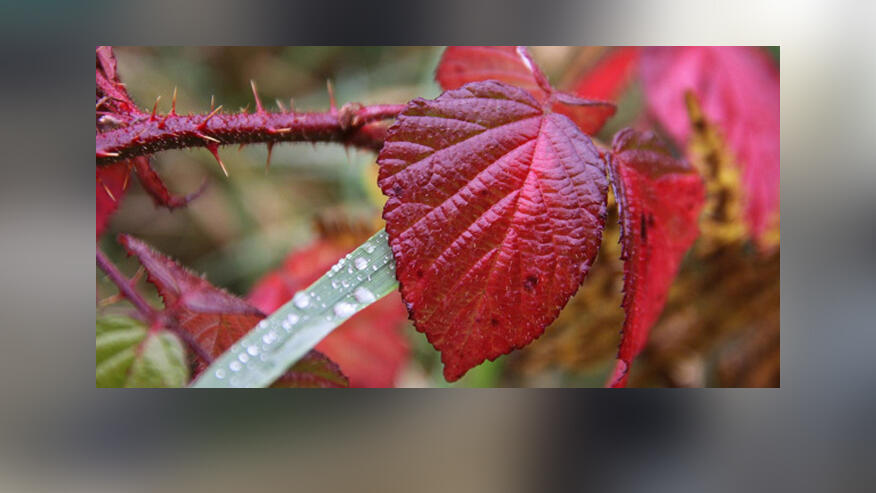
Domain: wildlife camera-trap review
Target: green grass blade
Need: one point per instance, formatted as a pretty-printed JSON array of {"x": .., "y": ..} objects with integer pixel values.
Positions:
[{"x": 277, "y": 342}]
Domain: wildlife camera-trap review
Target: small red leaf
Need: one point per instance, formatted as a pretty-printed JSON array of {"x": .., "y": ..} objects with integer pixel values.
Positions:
[
  {"x": 513, "y": 65},
  {"x": 369, "y": 347},
  {"x": 738, "y": 87},
  {"x": 495, "y": 212},
  {"x": 112, "y": 97},
  {"x": 214, "y": 318},
  {"x": 610, "y": 76},
  {"x": 659, "y": 200},
  {"x": 463, "y": 64},
  {"x": 314, "y": 370},
  {"x": 154, "y": 185},
  {"x": 111, "y": 184}
]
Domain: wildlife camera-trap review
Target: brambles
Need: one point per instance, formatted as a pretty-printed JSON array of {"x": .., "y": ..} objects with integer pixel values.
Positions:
[{"x": 497, "y": 196}]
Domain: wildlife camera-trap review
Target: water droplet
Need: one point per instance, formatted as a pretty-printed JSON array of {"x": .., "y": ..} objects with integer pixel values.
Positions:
[
  {"x": 335, "y": 284},
  {"x": 345, "y": 283},
  {"x": 270, "y": 337},
  {"x": 301, "y": 300},
  {"x": 235, "y": 366},
  {"x": 361, "y": 263},
  {"x": 263, "y": 324},
  {"x": 243, "y": 357},
  {"x": 369, "y": 248},
  {"x": 252, "y": 350},
  {"x": 363, "y": 295},
  {"x": 344, "y": 309},
  {"x": 220, "y": 373}
]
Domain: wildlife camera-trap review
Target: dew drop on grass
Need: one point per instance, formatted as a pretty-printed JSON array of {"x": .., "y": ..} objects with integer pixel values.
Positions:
[
  {"x": 252, "y": 350},
  {"x": 243, "y": 357},
  {"x": 369, "y": 248},
  {"x": 360, "y": 263},
  {"x": 301, "y": 300},
  {"x": 344, "y": 309},
  {"x": 269, "y": 338},
  {"x": 235, "y": 366},
  {"x": 220, "y": 373},
  {"x": 363, "y": 295}
]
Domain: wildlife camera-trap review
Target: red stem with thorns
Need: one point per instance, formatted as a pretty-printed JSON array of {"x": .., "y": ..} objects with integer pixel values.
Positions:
[{"x": 352, "y": 124}]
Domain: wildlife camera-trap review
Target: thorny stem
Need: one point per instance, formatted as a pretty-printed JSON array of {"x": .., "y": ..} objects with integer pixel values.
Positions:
[
  {"x": 352, "y": 124},
  {"x": 149, "y": 313}
]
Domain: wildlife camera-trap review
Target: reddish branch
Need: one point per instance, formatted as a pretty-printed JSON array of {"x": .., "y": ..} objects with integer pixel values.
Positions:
[
  {"x": 352, "y": 124},
  {"x": 151, "y": 315}
]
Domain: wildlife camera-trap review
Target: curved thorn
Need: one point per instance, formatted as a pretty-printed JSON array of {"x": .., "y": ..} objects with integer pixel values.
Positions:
[
  {"x": 155, "y": 109},
  {"x": 214, "y": 149},
  {"x": 333, "y": 105},
  {"x": 255, "y": 95},
  {"x": 268, "y": 163},
  {"x": 173, "y": 103},
  {"x": 203, "y": 124}
]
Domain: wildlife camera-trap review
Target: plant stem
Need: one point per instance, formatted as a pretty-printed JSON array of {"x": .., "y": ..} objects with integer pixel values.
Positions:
[
  {"x": 145, "y": 134},
  {"x": 150, "y": 314},
  {"x": 125, "y": 287}
]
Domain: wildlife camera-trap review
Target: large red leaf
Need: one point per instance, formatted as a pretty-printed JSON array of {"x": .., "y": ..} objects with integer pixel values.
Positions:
[
  {"x": 495, "y": 212},
  {"x": 369, "y": 347},
  {"x": 659, "y": 200},
  {"x": 513, "y": 64},
  {"x": 216, "y": 319},
  {"x": 738, "y": 87}
]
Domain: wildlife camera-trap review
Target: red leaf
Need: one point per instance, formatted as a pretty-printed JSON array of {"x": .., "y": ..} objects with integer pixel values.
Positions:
[
  {"x": 212, "y": 316},
  {"x": 111, "y": 184},
  {"x": 738, "y": 87},
  {"x": 369, "y": 347},
  {"x": 112, "y": 97},
  {"x": 216, "y": 319},
  {"x": 463, "y": 64},
  {"x": 610, "y": 76},
  {"x": 156, "y": 188},
  {"x": 495, "y": 212},
  {"x": 314, "y": 370},
  {"x": 659, "y": 201}
]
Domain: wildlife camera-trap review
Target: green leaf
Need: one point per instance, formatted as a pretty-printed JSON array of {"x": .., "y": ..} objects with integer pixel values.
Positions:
[
  {"x": 129, "y": 355},
  {"x": 280, "y": 340},
  {"x": 117, "y": 342}
]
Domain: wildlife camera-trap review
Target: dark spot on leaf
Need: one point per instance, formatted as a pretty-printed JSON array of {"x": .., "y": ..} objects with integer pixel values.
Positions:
[{"x": 643, "y": 229}]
